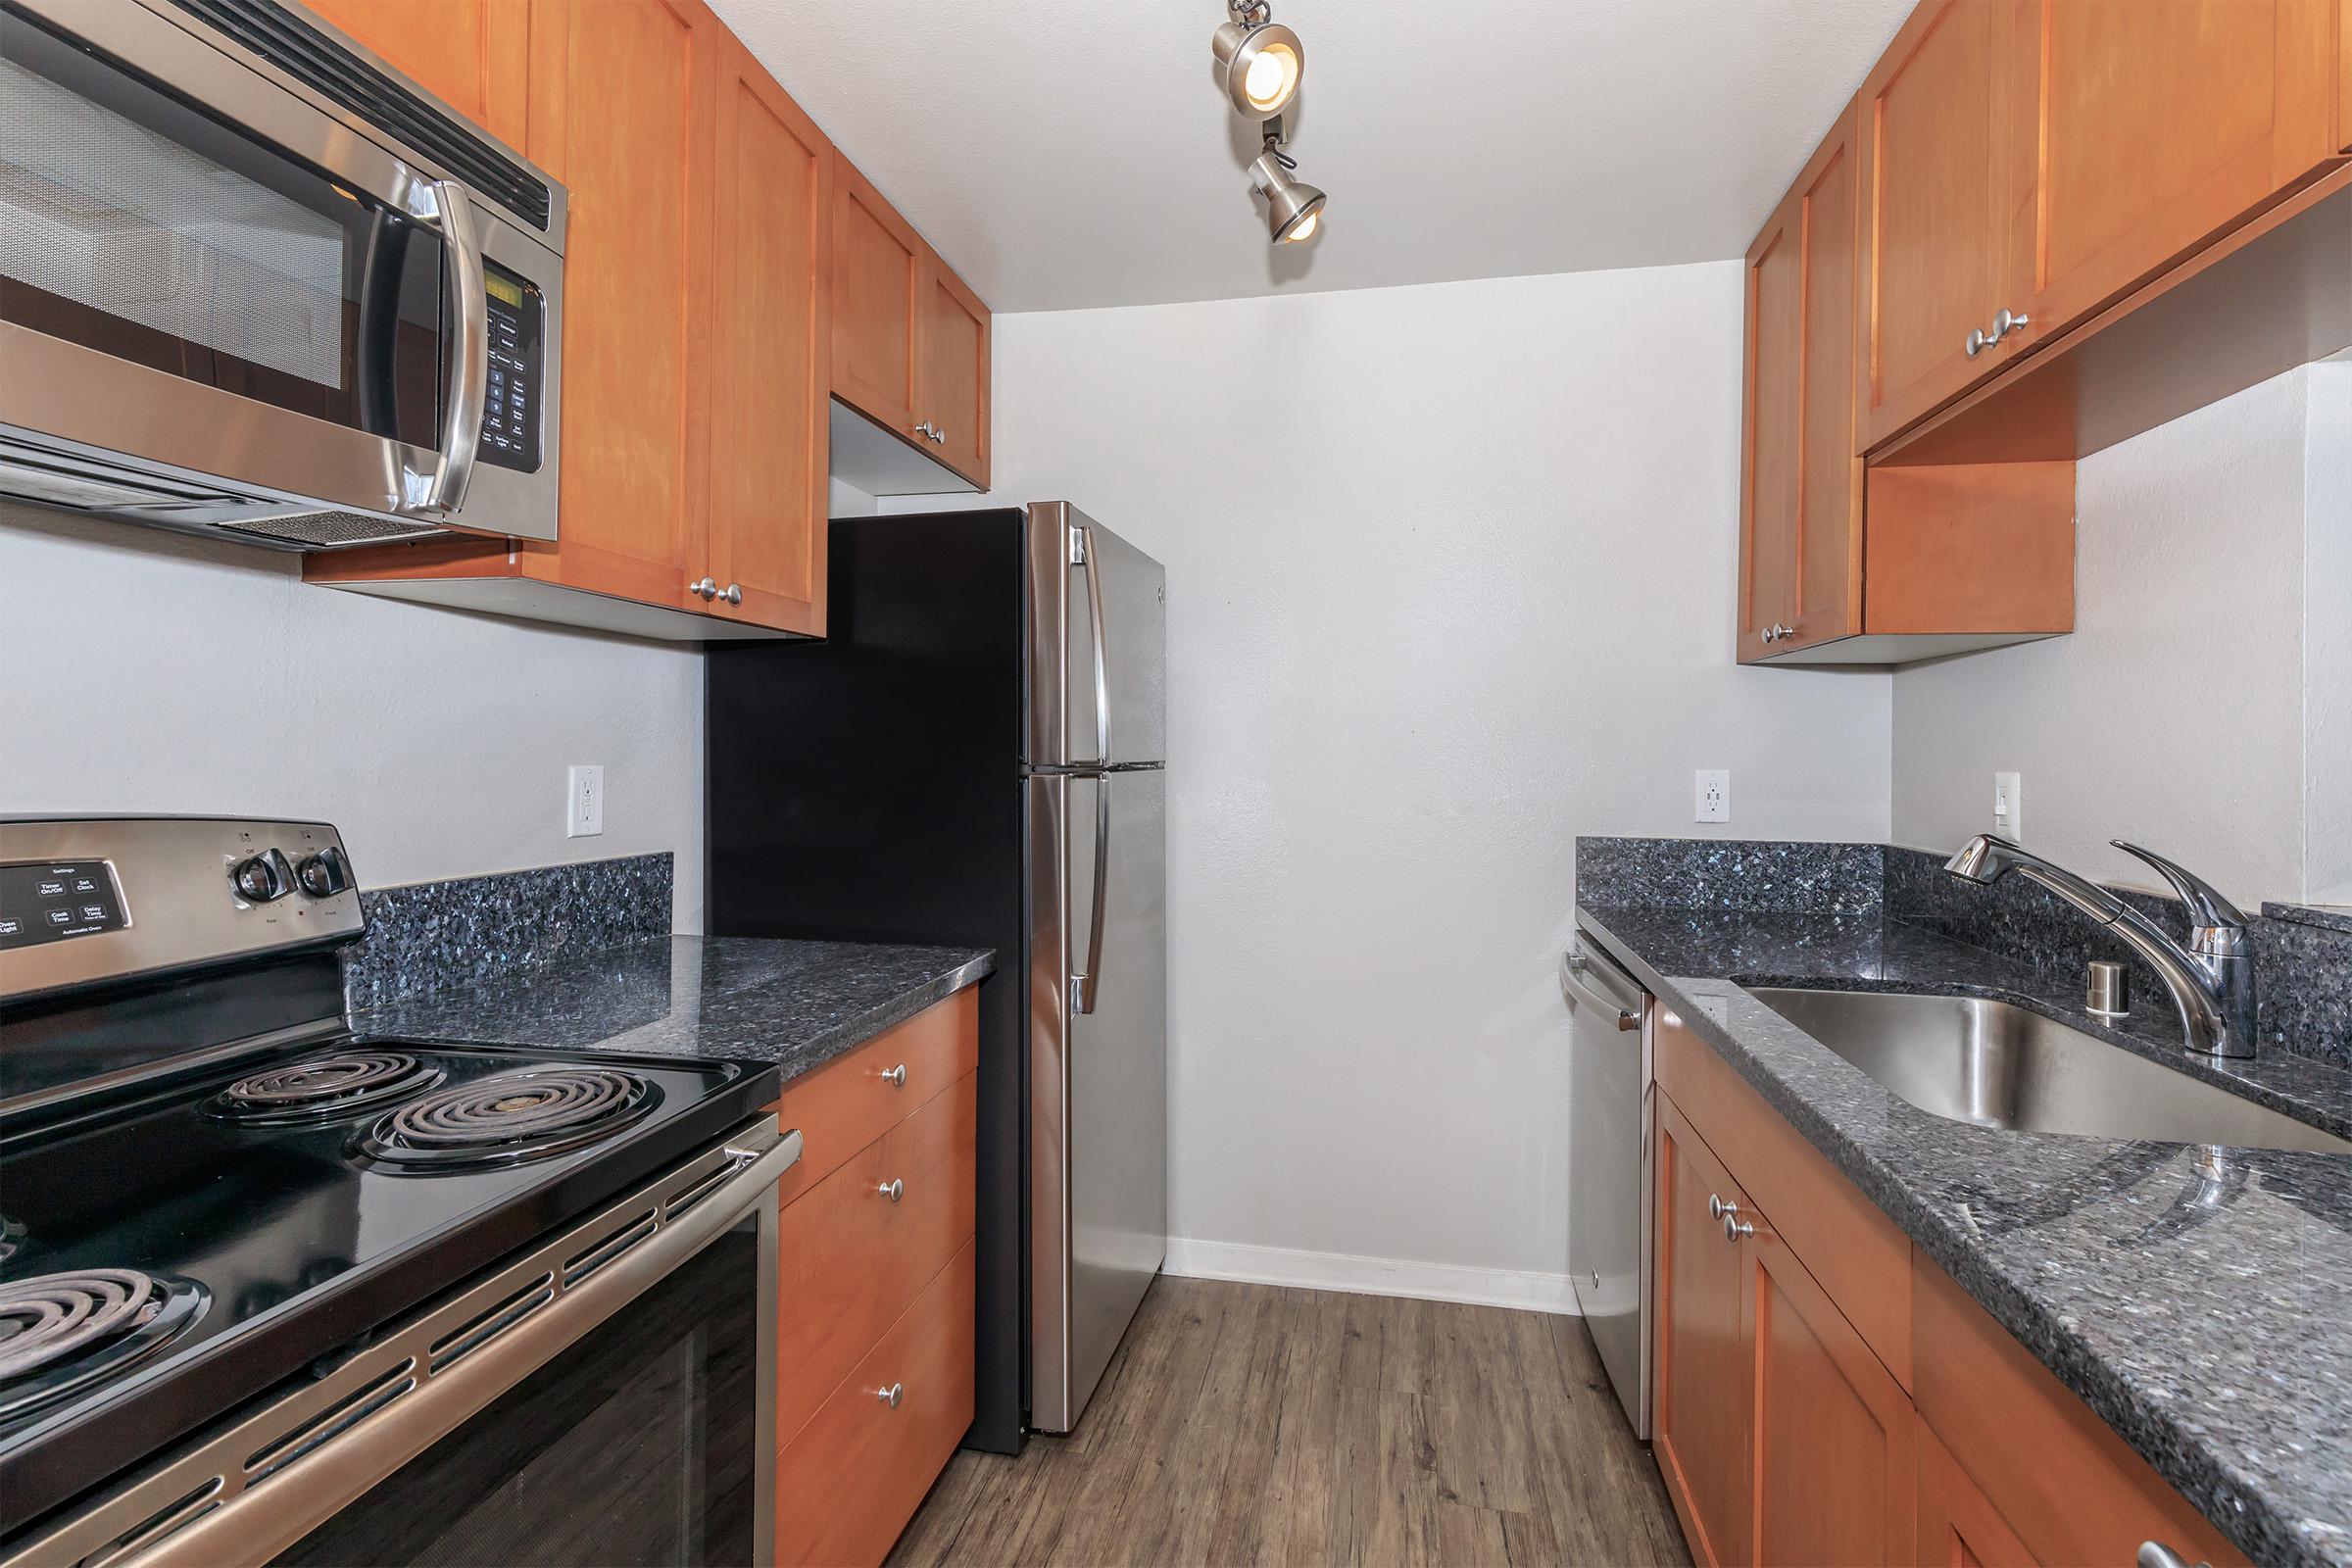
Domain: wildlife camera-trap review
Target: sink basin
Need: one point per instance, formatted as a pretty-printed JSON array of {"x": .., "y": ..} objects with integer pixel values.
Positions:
[{"x": 1998, "y": 1065}]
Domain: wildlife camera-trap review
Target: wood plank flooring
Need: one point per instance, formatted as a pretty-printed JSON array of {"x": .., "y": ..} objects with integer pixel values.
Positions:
[{"x": 1248, "y": 1423}]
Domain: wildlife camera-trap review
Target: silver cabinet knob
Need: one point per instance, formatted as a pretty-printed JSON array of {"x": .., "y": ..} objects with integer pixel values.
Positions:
[
  {"x": 1733, "y": 1227},
  {"x": 893, "y": 1189},
  {"x": 733, "y": 594},
  {"x": 894, "y": 1396},
  {"x": 1977, "y": 342},
  {"x": 1717, "y": 1207},
  {"x": 896, "y": 1077},
  {"x": 2008, "y": 322},
  {"x": 928, "y": 431},
  {"x": 706, "y": 589},
  {"x": 2156, "y": 1554},
  {"x": 939, "y": 433}
]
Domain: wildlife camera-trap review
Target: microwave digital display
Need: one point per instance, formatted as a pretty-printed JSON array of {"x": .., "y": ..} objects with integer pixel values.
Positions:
[{"x": 512, "y": 404}]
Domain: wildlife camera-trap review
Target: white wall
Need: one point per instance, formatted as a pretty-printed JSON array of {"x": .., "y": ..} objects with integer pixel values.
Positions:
[
  {"x": 2174, "y": 715},
  {"x": 1450, "y": 582},
  {"x": 2327, "y": 636},
  {"x": 149, "y": 674}
]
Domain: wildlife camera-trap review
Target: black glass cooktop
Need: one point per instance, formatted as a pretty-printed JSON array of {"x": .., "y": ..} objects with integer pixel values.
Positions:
[{"x": 281, "y": 1207}]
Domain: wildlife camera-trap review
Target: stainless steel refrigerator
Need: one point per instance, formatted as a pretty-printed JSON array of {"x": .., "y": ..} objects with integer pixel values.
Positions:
[{"x": 976, "y": 755}]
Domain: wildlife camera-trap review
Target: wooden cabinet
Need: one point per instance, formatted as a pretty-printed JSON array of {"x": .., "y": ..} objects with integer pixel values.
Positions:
[
  {"x": 768, "y": 352},
  {"x": 1797, "y": 1423},
  {"x": 1702, "y": 1391},
  {"x": 875, "y": 1299},
  {"x": 1939, "y": 160},
  {"x": 910, "y": 339},
  {"x": 1800, "y": 547},
  {"x": 474, "y": 55}
]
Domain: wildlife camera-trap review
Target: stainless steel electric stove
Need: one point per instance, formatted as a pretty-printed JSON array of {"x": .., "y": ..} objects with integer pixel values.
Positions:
[{"x": 262, "y": 1279}]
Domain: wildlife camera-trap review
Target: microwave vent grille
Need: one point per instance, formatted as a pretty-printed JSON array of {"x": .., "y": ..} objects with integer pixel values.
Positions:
[
  {"x": 325, "y": 66},
  {"x": 328, "y": 529}
]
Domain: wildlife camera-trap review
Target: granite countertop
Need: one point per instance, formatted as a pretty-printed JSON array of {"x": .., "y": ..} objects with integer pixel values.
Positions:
[
  {"x": 2199, "y": 1300},
  {"x": 793, "y": 1004}
]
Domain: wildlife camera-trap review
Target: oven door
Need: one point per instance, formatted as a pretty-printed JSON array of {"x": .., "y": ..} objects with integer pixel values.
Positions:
[
  {"x": 609, "y": 1397},
  {"x": 205, "y": 268}
]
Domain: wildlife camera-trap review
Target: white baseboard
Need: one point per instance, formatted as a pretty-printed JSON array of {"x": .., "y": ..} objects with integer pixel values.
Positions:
[{"x": 1368, "y": 1276}]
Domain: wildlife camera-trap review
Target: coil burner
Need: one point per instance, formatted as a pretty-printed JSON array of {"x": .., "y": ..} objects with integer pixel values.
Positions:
[
  {"x": 509, "y": 1117},
  {"x": 323, "y": 1088},
  {"x": 63, "y": 1332}
]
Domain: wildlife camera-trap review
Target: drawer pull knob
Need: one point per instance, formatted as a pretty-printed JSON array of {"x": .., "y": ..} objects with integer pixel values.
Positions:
[
  {"x": 2156, "y": 1554},
  {"x": 896, "y": 1077},
  {"x": 1717, "y": 1207},
  {"x": 892, "y": 1396},
  {"x": 893, "y": 1189},
  {"x": 1733, "y": 1227}
]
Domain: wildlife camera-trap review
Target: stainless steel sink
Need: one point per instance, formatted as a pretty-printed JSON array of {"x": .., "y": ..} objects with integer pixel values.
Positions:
[{"x": 1998, "y": 1066}]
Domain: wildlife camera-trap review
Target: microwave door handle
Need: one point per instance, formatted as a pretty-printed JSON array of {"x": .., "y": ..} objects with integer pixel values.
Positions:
[
  {"x": 1094, "y": 606},
  {"x": 1082, "y": 985},
  {"x": 470, "y": 354}
]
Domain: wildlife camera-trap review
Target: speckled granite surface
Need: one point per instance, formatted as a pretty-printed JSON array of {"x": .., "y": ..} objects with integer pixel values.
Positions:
[
  {"x": 2199, "y": 1300},
  {"x": 797, "y": 1004},
  {"x": 1730, "y": 874},
  {"x": 2327, "y": 916},
  {"x": 429, "y": 935}
]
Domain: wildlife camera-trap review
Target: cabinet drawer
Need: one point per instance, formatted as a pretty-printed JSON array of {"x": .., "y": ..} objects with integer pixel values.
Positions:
[
  {"x": 2070, "y": 1488},
  {"x": 849, "y": 1102},
  {"x": 1843, "y": 1239},
  {"x": 848, "y": 1484},
  {"x": 853, "y": 1259}
]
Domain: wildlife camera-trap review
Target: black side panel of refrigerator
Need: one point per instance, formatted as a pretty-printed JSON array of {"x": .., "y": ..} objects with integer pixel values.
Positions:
[{"x": 868, "y": 788}]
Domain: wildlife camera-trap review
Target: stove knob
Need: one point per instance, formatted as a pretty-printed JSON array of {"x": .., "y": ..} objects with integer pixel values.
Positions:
[
  {"x": 324, "y": 874},
  {"x": 263, "y": 877}
]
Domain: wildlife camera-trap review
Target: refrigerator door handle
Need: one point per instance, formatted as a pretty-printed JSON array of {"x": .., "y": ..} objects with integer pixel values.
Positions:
[
  {"x": 1082, "y": 985},
  {"x": 1094, "y": 606}
]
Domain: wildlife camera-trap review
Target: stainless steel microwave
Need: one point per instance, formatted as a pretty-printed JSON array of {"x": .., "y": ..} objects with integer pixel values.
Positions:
[{"x": 253, "y": 282}]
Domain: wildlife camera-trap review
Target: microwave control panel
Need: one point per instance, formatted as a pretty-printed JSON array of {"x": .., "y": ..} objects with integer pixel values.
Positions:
[{"x": 518, "y": 369}]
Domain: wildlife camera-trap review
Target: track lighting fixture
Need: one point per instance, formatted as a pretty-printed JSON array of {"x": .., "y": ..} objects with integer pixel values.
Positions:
[
  {"x": 1262, "y": 60},
  {"x": 1294, "y": 208}
]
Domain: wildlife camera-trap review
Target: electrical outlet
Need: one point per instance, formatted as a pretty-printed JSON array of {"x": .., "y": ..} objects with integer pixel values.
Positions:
[
  {"x": 1714, "y": 796},
  {"x": 584, "y": 802},
  {"x": 2008, "y": 805}
]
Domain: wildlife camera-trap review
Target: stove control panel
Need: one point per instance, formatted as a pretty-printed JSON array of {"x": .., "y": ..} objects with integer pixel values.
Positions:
[
  {"x": 91, "y": 901},
  {"x": 50, "y": 901}
]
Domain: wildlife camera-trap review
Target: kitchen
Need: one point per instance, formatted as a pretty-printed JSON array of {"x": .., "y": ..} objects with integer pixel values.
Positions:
[{"x": 1597, "y": 571}]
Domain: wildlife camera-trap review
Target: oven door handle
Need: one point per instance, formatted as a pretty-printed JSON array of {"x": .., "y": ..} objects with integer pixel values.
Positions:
[
  {"x": 468, "y": 388},
  {"x": 264, "y": 1483}
]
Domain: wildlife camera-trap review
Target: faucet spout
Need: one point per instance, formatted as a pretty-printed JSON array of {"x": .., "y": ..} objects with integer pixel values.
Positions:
[{"x": 2212, "y": 991}]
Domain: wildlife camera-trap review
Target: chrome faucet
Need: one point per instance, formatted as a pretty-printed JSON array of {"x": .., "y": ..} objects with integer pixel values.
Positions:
[{"x": 2211, "y": 974}]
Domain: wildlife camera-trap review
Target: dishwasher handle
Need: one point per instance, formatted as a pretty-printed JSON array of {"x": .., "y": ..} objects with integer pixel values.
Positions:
[{"x": 1574, "y": 967}]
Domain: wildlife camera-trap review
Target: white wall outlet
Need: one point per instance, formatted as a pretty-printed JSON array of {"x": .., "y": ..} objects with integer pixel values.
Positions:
[
  {"x": 584, "y": 802},
  {"x": 2008, "y": 805},
  {"x": 1714, "y": 802}
]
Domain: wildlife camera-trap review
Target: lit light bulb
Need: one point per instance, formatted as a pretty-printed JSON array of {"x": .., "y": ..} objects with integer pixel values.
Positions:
[
  {"x": 1305, "y": 230},
  {"x": 1272, "y": 75}
]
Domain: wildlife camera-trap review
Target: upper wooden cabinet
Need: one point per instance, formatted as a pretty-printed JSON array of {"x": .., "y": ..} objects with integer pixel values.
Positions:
[
  {"x": 769, "y": 356},
  {"x": 910, "y": 339},
  {"x": 1800, "y": 552},
  {"x": 474, "y": 55},
  {"x": 1938, "y": 164},
  {"x": 2159, "y": 126},
  {"x": 2028, "y": 161}
]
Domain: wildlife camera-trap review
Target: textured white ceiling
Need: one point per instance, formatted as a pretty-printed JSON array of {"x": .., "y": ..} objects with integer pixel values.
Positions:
[{"x": 1070, "y": 153}]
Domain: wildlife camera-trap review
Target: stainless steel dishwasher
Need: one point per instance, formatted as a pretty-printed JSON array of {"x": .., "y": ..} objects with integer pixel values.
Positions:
[{"x": 1609, "y": 1166}]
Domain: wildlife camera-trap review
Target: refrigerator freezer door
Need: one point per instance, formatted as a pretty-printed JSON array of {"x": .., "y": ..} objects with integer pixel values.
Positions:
[
  {"x": 1608, "y": 1175},
  {"x": 1099, "y": 1112},
  {"x": 1098, "y": 656}
]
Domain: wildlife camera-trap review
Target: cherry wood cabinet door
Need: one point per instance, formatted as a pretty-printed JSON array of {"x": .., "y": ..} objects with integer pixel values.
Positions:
[
  {"x": 769, "y": 356},
  {"x": 1700, "y": 1408},
  {"x": 620, "y": 112},
  {"x": 1947, "y": 181},
  {"x": 1835, "y": 1433},
  {"x": 474, "y": 55},
  {"x": 879, "y": 262},
  {"x": 2161, "y": 127},
  {"x": 952, "y": 383},
  {"x": 1958, "y": 1525},
  {"x": 1802, "y": 480}
]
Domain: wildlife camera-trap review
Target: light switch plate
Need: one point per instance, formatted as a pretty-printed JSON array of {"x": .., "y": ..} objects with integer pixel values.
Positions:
[
  {"x": 2008, "y": 805},
  {"x": 1713, "y": 803},
  {"x": 584, "y": 802}
]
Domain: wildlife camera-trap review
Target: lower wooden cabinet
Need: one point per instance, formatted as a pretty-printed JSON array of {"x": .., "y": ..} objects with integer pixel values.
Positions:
[
  {"x": 1795, "y": 1426},
  {"x": 875, "y": 1330}
]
